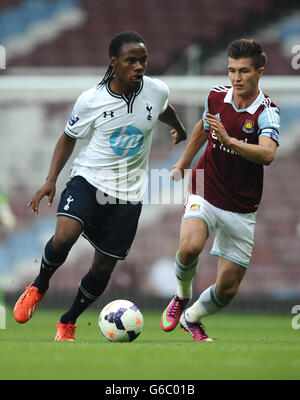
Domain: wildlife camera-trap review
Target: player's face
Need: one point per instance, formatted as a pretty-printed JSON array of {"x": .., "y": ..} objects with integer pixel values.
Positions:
[
  {"x": 244, "y": 76},
  {"x": 130, "y": 66}
]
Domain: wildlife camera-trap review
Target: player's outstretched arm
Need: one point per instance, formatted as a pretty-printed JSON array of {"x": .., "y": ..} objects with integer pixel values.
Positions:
[
  {"x": 198, "y": 139},
  {"x": 170, "y": 117},
  {"x": 62, "y": 152}
]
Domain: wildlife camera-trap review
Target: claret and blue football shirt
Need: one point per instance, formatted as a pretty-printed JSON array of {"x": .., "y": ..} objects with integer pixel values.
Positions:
[{"x": 231, "y": 182}]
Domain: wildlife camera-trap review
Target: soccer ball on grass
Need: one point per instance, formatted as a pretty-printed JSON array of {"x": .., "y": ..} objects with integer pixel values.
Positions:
[{"x": 121, "y": 321}]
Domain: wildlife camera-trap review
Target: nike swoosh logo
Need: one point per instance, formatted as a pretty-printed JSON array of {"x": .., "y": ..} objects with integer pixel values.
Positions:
[{"x": 165, "y": 321}]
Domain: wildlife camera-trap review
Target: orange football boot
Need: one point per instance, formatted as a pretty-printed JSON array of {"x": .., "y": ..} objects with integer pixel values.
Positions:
[
  {"x": 65, "y": 332},
  {"x": 26, "y": 305}
]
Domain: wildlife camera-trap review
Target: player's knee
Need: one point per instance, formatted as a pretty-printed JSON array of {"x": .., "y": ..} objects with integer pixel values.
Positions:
[
  {"x": 103, "y": 266},
  {"x": 66, "y": 234},
  {"x": 226, "y": 292},
  {"x": 62, "y": 243},
  {"x": 188, "y": 251}
]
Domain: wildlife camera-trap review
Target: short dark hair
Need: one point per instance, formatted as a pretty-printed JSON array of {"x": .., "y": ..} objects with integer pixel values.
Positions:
[
  {"x": 243, "y": 48},
  {"x": 114, "y": 49}
]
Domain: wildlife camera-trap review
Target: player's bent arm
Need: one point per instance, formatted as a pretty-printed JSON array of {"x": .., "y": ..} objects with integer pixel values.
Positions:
[
  {"x": 62, "y": 152},
  {"x": 197, "y": 140},
  {"x": 170, "y": 117},
  {"x": 261, "y": 153}
]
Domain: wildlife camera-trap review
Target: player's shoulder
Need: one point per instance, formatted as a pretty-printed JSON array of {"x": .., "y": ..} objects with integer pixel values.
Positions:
[
  {"x": 217, "y": 94},
  {"x": 93, "y": 96},
  {"x": 220, "y": 89},
  {"x": 268, "y": 114},
  {"x": 155, "y": 84},
  {"x": 268, "y": 103}
]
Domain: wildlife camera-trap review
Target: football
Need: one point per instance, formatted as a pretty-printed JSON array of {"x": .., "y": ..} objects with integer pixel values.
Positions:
[{"x": 121, "y": 321}]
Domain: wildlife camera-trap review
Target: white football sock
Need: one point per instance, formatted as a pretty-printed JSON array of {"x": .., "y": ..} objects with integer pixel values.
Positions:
[
  {"x": 184, "y": 288},
  {"x": 185, "y": 275},
  {"x": 207, "y": 304}
]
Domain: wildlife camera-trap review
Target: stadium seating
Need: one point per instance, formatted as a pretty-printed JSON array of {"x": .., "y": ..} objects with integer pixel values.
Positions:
[{"x": 168, "y": 27}]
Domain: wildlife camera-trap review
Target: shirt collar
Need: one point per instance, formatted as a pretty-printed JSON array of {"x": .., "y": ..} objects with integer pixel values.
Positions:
[{"x": 252, "y": 108}]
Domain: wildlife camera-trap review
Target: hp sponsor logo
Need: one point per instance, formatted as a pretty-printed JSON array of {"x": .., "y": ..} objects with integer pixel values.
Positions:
[{"x": 126, "y": 141}]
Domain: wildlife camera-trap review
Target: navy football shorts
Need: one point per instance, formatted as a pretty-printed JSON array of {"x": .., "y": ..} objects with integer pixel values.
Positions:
[{"x": 110, "y": 228}]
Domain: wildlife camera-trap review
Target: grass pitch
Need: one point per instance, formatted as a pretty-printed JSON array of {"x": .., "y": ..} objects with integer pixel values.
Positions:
[{"x": 246, "y": 346}]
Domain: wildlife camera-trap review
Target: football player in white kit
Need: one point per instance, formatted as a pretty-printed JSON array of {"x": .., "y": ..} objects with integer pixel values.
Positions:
[{"x": 103, "y": 199}]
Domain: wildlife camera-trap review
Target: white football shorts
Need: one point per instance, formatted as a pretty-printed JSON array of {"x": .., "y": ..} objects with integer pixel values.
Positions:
[{"x": 234, "y": 232}]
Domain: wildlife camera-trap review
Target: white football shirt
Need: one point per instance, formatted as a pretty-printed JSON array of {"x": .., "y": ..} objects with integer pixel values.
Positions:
[{"x": 119, "y": 130}]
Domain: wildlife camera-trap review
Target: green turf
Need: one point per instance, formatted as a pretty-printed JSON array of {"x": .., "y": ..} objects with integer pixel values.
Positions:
[{"x": 246, "y": 346}]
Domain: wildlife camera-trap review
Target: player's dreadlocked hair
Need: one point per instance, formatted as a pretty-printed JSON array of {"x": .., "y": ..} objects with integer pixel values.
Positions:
[
  {"x": 114, "y": 49},
  {"x": 243, "y": 48}
]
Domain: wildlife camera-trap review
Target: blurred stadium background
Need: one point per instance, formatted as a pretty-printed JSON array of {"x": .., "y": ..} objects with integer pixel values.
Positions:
[{"x": 55, "y": 49}]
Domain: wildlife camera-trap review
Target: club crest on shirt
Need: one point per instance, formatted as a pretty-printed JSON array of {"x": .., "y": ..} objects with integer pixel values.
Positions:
[
  {"x": 248, "y": 126},
  {"x": 149, "y": 109},
  {"x": 195, "y": 206}
]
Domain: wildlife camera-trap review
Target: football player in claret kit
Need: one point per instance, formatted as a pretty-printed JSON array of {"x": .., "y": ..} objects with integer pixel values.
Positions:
[
  {"x": 103, "y": 199},
  {"x": 241, "y": 126}
]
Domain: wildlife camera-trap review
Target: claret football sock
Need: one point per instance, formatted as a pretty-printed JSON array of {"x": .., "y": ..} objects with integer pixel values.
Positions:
[
  {"x": 207, "y": 304},
  {"x": 51, "y": 261},
  {"x": 185, "y": 275},
  {"x": 89, "y": 289}
]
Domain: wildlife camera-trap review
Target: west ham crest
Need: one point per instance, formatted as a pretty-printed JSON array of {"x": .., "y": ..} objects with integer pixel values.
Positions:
[{"x": 248, "y": 126}]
